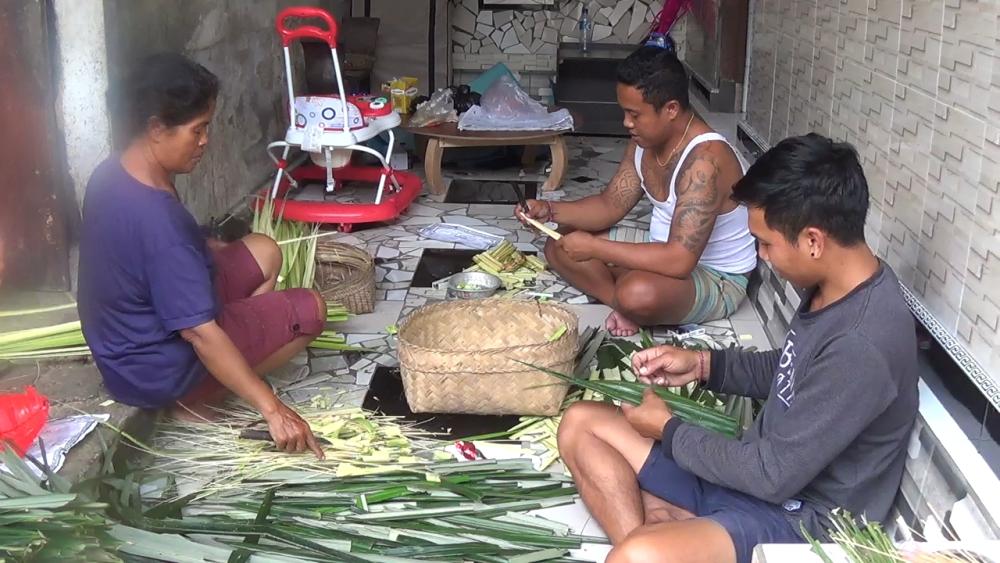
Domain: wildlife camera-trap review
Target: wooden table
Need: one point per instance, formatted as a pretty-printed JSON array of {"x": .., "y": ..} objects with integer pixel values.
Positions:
[{"x": 447, "y": 135}]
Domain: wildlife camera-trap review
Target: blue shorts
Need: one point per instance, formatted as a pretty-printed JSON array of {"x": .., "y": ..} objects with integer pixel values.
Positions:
[{"x": 749, "y": 520}]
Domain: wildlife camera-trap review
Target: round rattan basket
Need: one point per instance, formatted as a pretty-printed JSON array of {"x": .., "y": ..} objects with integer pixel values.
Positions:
[
  {"x": 346, "y": 275},
  {"x": 463, "y": 356}
]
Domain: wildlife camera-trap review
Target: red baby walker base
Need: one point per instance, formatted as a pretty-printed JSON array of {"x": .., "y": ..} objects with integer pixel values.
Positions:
[{"x": 345, "y": 215}]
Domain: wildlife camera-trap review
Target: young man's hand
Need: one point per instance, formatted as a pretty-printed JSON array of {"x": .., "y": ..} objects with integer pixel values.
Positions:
[
  {"x": 290, "y": 433},
  {"x": 578, "y": 245},
  {"x": 669, "y": 366},
  {"x": 650, "y": 416}
]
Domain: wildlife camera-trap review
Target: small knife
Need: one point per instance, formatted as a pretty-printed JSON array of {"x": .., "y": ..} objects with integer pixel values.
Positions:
[
  {"x": 265, "y": 436},
  {"x": 520, "y": 197}
]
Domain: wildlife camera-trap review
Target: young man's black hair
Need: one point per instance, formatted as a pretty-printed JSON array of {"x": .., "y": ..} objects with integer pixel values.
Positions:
[
  {"x": 658, "y": 74},
  {"x": 809, "y": 181}
]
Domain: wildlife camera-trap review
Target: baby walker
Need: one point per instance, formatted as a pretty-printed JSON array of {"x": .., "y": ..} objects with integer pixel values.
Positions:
[{"x": 329, "y": 128}]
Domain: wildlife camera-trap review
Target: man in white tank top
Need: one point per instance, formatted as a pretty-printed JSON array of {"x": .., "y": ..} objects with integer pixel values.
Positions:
[{"x": 693, "y": 264}]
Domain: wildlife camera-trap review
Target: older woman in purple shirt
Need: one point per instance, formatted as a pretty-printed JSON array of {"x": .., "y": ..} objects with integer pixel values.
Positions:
[{"x": 175, "y": 320}]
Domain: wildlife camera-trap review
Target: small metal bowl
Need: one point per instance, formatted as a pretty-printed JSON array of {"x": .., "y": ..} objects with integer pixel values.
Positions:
[{"x": 485, "y": 284}]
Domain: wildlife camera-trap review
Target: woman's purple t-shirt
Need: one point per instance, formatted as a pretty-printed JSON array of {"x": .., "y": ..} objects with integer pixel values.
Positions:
[{"x": 145, "y": 275}]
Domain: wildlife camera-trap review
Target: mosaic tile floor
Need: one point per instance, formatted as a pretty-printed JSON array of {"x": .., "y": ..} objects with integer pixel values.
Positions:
[{"x": 398, "y": 249}]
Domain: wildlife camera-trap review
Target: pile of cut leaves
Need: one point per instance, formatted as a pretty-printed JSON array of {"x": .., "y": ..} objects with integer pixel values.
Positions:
[
  {"x": 383, "y": 494},
  {"x": 205, "y": 458},
  {"x": 515, "y": 269}
]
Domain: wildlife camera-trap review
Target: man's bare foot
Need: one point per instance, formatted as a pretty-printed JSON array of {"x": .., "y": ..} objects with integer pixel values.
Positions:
[{"x": 618, "y": 325}]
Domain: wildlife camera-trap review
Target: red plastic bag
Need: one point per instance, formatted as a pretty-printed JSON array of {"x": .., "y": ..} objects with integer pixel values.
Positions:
[{"x": 22, "y": 416}]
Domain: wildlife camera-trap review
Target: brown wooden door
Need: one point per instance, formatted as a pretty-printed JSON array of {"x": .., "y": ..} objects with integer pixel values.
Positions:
[{"x": 35, "y": 197}]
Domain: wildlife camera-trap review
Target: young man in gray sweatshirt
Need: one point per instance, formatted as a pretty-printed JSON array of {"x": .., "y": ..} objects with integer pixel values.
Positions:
[{"x": 840, "y": 394}]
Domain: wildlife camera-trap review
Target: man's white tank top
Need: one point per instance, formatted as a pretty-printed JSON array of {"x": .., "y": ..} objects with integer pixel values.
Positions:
[{"x": 731, "y": 247}]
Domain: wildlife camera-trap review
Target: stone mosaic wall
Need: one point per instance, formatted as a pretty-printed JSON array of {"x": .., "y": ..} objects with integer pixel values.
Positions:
[
  {"x": 526, "y": 40},
  {"x": 915, "y": 86}
]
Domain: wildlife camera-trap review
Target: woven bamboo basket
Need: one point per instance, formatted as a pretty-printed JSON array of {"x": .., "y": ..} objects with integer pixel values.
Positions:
[
  {"x": 462, "y": 356},
  {"x": 346, "y": 275}
]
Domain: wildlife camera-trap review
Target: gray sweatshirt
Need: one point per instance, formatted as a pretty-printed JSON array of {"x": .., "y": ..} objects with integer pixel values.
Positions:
[{"x": 841, "y": 398}]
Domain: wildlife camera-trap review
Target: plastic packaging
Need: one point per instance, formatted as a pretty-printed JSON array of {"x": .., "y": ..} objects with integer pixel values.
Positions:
[
  {"x": 506, "y": 107},
  {"x": 22, "y": 416},
  {"x": 460, "y": 234},
  {"x": 438, "y": 109}
]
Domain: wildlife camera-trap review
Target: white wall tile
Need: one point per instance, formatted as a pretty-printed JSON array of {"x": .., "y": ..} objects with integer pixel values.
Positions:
[{"x": 915, "y": 86}]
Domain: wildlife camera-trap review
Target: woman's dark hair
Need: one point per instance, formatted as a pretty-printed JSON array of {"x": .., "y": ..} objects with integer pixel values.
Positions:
[
  {"x": 167, "y": 86},
  {"x": 658, "y": 74},
  {"x": 809, "y": 181}
]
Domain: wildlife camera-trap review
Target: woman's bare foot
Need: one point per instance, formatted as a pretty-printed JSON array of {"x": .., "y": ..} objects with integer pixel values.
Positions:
[
  {"x": 193, "y": 413},
  {"x": 618, "y": 325}
]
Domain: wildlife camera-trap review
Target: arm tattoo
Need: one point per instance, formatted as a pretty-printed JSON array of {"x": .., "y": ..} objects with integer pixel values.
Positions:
[
  {"x": 625, "y": 188},
  {"x": 698, "y": 202}
]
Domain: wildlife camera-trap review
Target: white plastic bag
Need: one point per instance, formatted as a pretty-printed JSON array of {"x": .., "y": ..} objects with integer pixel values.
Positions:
[
  {"x": 438, "y": 109},
  {"x": 506, "y": 107},
  {"x": 504, "y": 99}
]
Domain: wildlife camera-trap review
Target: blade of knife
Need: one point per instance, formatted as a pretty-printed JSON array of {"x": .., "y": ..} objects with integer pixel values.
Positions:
[
  {"x": 265, "y": 436},
  {"x": 520, "y": 196}
]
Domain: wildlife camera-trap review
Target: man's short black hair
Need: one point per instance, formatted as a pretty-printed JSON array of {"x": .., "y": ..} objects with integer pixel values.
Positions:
[
  {"x": 809, "y": 181},
  {"x": 657, "y": 74}
]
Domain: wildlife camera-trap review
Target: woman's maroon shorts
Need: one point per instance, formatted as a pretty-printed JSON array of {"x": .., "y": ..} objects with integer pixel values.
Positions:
[{"x": 259, "y": 325}]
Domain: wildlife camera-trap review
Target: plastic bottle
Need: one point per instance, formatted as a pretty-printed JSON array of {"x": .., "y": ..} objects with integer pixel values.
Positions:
[{"x": 586, "y": 31}]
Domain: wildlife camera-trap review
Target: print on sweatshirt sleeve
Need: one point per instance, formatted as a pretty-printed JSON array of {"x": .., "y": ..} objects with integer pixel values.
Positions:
[{"x": 784, "y": 380}]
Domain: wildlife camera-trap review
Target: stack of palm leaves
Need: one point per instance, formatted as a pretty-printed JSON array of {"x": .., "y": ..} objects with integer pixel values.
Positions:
[
  {"x": 446, "y": 511},
  {"x": 297, "y": 242},
  {"x": 631, "y": 393},
  {"x": 55, "y": 341},
  {"x": 49, "y": 523},
  {"x": 614, "y": 363},
  {"x": 298, "y": 265},
  {"x": 384, "y": 493}
]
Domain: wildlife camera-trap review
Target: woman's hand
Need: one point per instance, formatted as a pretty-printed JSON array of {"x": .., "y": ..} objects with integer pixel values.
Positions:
[
  {"x": 290, "y": 433},
  {"x": 226, "y": 363},
  {"x": 669, "y": 366}
]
